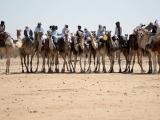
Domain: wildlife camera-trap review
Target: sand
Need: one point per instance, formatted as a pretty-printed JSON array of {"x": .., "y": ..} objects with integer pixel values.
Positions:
[{"x": 78, "y": 96}]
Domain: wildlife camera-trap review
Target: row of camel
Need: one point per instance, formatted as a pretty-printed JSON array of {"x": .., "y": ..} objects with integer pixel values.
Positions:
[{"x": 78, "y": 51}]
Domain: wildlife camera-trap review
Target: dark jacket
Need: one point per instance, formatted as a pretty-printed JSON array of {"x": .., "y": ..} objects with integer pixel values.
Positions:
[{"x": 30, "y": 33}]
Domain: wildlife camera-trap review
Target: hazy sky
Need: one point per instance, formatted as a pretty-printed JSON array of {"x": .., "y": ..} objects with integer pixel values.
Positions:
[{"x": 87, "y": 13}]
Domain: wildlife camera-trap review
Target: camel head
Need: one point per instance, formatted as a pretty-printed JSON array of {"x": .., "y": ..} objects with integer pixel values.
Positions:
[
  {"x": 150, "y": 26},
  {"x": 18, "y": 33},
  {"x": 49, "y": 34}
]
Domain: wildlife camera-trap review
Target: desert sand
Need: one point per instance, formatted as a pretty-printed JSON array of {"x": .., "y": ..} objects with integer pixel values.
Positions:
[{"x": 78, "y": 96}]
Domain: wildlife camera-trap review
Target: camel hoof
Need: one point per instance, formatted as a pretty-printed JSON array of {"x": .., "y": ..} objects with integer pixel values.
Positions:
[
  {"x": 149, "y": 72},
  {"x": 104, "y": 71},
  {"x": 50, "y": 71},
  {"x": 43, "y": 71},
  {"x": 89, "y": 71},
  {"x": 57, "y": 70},
  {"x": 111, "y": 71},
  {"x": 62, "y": 71}
]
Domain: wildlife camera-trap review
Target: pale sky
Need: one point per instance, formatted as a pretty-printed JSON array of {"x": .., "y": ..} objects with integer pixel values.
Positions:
[{"x": 87, "y": 13}]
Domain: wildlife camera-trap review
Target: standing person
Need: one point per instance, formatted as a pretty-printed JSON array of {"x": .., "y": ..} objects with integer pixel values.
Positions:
[
  {"x": 28, "y": 33},
  {"x": 2, "y": 27}
]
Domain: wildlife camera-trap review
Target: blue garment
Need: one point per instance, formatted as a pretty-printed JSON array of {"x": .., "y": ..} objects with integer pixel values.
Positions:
[
  {"x": 55, "y": 36},
  {"x": 86, "y": 35},
  {"x": 100, "y": 32}
]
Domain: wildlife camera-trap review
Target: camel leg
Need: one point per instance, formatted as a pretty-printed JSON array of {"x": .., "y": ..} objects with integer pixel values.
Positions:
[
  {"x": 24, "y": 58},
  {"x": 119, "y": 61},
  {"x": 84, "y": 62},
  {"x": 81, "y": 63},
  {"x": 7, "y": 64},
  {"x": 129, "y": 60},
  {"x": 56, "y": 63},
  {"x": 37, "y": 62},
  {"x": 149, "y": 63},
  {"x": 89, "y": 63},
  {"x": 103, "y": 62},
  {"x": 64, "y": 59},
  {"x": 111, "y": 57},
  {"x": 27, "y": 63},
  {"x": 70, "y": 63},
  {"x": 49, "y": 62},
  {"x": 43, "y": 65},
  {"x": 31, "y": 64},
  {"x": 126, "y": 55},
  {"x": 32, "y": 55},
  {"x": 134, "y": 57},
  {"x": 154, "y": 59},
  {"x": 159, "y": 62},
  {"x": 22, "y": 64},
  {"x": 139, "y": 54},
  {"x": 97, "y": 63},
  {"x": 75, "y": 62}
]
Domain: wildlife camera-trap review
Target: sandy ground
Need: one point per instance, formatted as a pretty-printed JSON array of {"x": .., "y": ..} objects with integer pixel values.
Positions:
[{"x": 78, "y": 96}]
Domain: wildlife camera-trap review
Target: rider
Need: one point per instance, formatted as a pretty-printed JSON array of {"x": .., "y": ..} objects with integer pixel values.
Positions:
[
  {"x": 86, "y": 36},
  {"x": 100, "y": 32},
  {"x": 39, "y": 28},
  {"x": 79, "y": 31},
  {"x": 118, "y": 33},
  {"x": 65, "y": 30},
  {"x": 154, "y": 33},
  {"x": 28, "y": 33},
  {"x": 2, "y": 27},
  {"x": 54, "y": 34}
]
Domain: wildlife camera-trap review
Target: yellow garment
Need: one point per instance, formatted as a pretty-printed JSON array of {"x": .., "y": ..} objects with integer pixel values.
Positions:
[{"x": 105, "y": 37}]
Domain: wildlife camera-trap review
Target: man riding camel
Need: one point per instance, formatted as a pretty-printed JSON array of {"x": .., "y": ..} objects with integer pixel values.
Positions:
[
  {"x": 65, "y": 30},
  {"x": 2, "y": 33},
  {"x": 2, "y": 27},
  {"x": 28, "y": 33},
  {"x": 54, "y": 34},
  {"x": 100, "y": 32},
  {"x": 155, "y": 32},
  {"x": 39, "y": 28},
  {"x": 79, "y": 31},
  {"x": 118, "y": 34}
]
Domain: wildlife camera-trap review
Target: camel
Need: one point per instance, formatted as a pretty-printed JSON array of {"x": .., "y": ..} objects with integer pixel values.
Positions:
[
  {"x": 37, "y": 48},
  {"x": 8, "y": 47},
  {"x": 27, "y": 50},
  {"x": 144, "y": 37},
  {"x": 153, "y": 46},
  {"x": 107, "y": 48},
  {"x": 64, "y": 51},
  {"x": 79, "y": 49},
  {"x": 133, "y": 51},
  {"x": 46, "y": 51},
  {"x": 50, "y": 52},
  {"x": 120, "y": 47}
]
